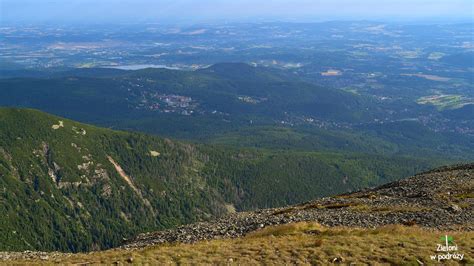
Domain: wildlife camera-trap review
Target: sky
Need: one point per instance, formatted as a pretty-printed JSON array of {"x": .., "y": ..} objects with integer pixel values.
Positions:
[{"x": 99, "y": 11}]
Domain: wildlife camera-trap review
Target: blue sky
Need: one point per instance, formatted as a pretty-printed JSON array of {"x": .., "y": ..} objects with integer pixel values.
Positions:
[{"x": 205, "y": 10}]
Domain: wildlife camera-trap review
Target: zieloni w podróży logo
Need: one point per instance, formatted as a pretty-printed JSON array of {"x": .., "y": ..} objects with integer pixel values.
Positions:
[{"x": 448, "y": 250}]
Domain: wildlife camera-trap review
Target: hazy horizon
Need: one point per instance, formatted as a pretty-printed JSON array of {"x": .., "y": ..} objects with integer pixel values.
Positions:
[{"x": 187, "y": 11}]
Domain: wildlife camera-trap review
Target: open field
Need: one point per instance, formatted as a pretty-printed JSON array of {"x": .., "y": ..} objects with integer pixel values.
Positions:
[
  {"x": 428, "y": 77},
  {"x": 445, "y": 101},
  {"x": 297, "y": 243},
  {"x": 331, "y": 72}
]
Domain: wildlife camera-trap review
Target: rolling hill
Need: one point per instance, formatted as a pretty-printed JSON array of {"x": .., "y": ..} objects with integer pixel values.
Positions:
[{"x": 228, "y": 102}]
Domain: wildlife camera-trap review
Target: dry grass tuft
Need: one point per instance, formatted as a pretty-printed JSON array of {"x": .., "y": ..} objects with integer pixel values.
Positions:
[
  {"x": 288, "y": 229},
  {"x": 464, "y": 196}
]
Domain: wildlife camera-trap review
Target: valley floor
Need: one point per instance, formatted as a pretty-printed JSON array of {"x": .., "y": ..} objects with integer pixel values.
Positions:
[{"x": 296, "y": 243}]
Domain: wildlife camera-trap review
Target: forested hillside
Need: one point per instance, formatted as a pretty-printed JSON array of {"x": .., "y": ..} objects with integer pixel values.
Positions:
[
  {"x": 74, "y": 187},
  {"x": 238, "y": 104}
]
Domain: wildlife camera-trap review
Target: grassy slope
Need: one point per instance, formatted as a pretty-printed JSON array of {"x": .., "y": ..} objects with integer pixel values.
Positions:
[{"x": 301, "y": 243}]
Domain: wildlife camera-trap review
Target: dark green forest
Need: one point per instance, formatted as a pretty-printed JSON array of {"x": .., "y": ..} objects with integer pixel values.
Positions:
[{"x": 60, "y": 191}]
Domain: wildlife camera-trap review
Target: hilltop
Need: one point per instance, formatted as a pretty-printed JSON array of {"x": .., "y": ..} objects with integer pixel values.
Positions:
[
  {"x": 63, "y": 183},
  {"x": 397, "y": 223}
]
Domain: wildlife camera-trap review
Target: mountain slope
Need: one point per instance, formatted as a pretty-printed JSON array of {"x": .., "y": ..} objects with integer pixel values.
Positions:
[
  {"x": 62, "y": 191},
  {"x": 440, "y": 199},
  {"x": 74, "y": 187},
  {"x": 237, "y": 91},
  {"x": 399, "y": 223}
]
